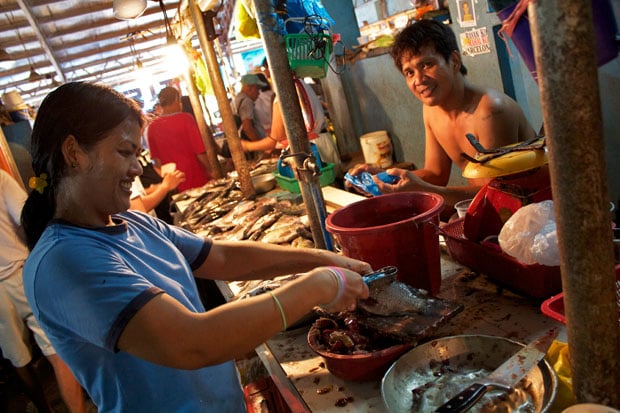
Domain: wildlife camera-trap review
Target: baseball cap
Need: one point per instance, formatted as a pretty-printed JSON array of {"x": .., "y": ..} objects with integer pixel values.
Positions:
[{"x": 251, "y": 79}]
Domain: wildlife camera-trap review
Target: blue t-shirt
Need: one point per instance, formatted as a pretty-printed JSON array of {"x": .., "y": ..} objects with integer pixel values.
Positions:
[{"x": 85, "y": 284}]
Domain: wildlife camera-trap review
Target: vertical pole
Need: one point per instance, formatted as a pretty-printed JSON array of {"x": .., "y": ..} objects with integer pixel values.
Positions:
[
  {"x": 215, "y": 168},
  {"x": 294, "y": 125},
  {"x": 230, "y": 127},
  {"x": 565, "y": 53}
]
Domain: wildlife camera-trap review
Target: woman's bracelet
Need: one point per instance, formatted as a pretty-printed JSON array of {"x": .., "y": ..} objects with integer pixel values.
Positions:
[
  {"x": 284, "y": 324},
  {"x": 342, "y": 283}
]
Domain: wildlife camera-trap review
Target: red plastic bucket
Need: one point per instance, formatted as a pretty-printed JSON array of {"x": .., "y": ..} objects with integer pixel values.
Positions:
[{"x": 397, "y": 229}]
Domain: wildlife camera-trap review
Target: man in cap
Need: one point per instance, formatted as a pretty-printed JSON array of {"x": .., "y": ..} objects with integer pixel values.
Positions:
[{"x": 244, "y": 107}]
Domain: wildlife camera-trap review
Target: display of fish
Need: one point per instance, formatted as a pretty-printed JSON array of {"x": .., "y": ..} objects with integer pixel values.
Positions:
[
  {"x": 264, "y": 222},
  {"x": 282, "y": 235},
  {"x": 218, "y": 210}
]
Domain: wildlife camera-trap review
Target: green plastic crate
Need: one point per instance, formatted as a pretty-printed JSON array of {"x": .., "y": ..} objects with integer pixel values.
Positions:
[
  {"x": 290, "y": 184},
  {"x": 308, "y": 54}
]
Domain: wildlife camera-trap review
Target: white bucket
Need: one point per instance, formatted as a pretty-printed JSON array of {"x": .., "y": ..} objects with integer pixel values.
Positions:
[{"x": 377, "y": 148}]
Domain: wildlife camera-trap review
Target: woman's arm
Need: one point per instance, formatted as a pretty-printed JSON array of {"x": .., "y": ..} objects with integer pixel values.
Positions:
[
  {"x": 247, "y": 260},
  {"x": 164, "y": 332}
]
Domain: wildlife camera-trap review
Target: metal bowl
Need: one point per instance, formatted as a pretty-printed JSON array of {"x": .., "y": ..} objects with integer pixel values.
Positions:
[
  {"x": 465, "y": 352},
  {"x": 263, "y": 183}
]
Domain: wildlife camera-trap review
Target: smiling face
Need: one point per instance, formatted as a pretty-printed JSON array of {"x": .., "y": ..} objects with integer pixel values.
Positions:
[
  {"x": 429, "y": 76},
  {"x": 101, "y": 180}
]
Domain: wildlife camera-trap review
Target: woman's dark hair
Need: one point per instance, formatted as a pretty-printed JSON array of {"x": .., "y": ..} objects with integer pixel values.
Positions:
[
  {"x": 424, "y": 33},
  {"x": 88, "y": 112}
]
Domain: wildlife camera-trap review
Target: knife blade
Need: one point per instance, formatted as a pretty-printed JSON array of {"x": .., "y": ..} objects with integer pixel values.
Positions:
[{"x": 505, "y": 377}]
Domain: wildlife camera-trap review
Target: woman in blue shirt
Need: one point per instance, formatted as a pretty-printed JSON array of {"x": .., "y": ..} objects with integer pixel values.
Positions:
[{"x": 115, "y": 290}]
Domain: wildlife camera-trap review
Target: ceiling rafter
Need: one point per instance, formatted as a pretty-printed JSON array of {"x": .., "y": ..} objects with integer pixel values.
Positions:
[{"x": 23, "y": 4}]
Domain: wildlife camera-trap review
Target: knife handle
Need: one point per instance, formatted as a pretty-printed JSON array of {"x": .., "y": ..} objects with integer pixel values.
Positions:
[{"x": 464, "y": 400}]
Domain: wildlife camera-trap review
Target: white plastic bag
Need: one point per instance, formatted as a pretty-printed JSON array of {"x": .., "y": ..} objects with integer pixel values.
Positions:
[{"x": 530, "y": 235}]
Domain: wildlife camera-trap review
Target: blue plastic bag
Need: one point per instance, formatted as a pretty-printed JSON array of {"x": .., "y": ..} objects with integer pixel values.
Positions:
[{"x": 314, "y": 10}]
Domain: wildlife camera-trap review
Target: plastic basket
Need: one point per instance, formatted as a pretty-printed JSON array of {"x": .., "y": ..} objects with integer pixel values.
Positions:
[
  {"x": 290, "y": 184},
  {"x": 538, "y": 281},
  {"x": 554, "y": 306},
  {"x": 308, "y": 54}
]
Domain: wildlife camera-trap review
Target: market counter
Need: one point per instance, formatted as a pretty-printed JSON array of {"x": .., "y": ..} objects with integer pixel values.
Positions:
[{"x": 307, "y": 385}]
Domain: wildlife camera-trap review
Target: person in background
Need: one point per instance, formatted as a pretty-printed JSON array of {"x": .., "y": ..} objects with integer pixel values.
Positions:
[
  {"x": 15, "y": 313},
  {"x": 129, "y": 299},
  {"x": 427, "y": 54},
  {"x": 244, "y": 107},
  {"x": 174, "y": 137},
  {"x": 152, "y": 192},
  {"x": 155, "y": 198},
  {"x": 263, "y": 106},
  {"x": 314, "y": 119}
]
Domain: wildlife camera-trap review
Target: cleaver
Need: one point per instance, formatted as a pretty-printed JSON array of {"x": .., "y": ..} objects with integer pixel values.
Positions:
[{"x": 505, "y": 377}]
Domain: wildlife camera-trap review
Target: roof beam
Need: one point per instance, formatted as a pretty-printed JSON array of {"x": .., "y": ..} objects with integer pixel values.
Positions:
[{"x": 23, "y": 4}]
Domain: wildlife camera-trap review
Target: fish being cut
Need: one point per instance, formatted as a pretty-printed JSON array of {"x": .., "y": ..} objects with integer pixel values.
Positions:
[{"x": 402, "y": 312}]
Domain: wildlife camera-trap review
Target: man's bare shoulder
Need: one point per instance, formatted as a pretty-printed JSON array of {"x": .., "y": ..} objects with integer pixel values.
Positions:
[{"x": 493, "y": 101}]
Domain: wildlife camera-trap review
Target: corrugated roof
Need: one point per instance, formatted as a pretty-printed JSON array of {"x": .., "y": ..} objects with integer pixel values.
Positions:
[{"x": 77, "y": 40}]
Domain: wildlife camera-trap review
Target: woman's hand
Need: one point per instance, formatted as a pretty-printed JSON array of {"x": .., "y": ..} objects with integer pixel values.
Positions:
[{"x": 344, "y": 287}]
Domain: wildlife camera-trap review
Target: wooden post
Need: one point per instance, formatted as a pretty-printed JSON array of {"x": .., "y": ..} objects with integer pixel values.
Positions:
[{"x": 565, "y": 53}]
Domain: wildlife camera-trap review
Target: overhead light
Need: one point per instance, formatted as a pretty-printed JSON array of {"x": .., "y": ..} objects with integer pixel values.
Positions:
[
  {"x": 54, "y": 82},
  {"x": 170, "y": 39},
  {"x": 34, "y": 76},
  {"x": 128, "y": 9}
]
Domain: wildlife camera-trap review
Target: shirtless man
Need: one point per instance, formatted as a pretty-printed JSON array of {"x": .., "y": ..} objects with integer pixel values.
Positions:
[{"x": 427, "y": 54}]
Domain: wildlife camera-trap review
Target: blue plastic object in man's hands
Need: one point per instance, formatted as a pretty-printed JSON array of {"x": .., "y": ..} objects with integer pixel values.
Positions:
[
  {"x": 387, "y": 178},
  {"x": 364, "y": 181}
]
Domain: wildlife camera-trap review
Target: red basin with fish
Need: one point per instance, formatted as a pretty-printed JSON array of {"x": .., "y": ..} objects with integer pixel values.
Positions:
[{"x": 356, "y": 367}]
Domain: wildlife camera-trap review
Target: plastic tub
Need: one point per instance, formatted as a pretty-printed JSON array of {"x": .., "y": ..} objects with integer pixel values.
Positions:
[
  {"x": 553, "y": 307},
  {"x": 327, "y": 177},
  {"x": 399, "y": 229}
]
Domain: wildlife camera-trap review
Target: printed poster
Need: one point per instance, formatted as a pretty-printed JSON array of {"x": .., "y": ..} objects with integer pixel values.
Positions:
[
  {"x": 467, "y": 13},
  {"x": 475, "y": 42}
]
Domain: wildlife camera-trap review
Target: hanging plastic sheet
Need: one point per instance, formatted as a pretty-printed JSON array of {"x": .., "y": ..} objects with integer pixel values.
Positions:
[
  {"x": 312, "y": 11},
  {"x": 515, "y": 25},
  {"x": 245, "y": 20}
]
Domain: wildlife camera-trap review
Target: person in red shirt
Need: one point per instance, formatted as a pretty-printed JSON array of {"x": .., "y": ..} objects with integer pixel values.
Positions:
[{"x": 174, "y": 137}]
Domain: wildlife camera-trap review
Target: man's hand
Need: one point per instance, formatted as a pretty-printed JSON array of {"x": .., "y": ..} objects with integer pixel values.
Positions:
[
  {"x": 365, "y": 167},
  {"x": 359, "y": 168},
  {"x": 408, "y": 182}
]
